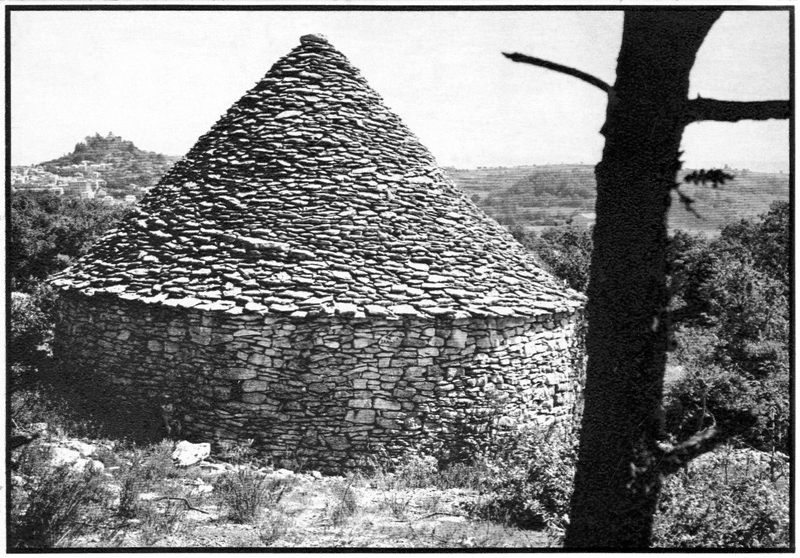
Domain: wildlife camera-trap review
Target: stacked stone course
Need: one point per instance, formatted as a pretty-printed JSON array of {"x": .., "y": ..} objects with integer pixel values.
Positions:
[
  {"x": 338, "y": 391},
  {"x": 307, "y": 277}
]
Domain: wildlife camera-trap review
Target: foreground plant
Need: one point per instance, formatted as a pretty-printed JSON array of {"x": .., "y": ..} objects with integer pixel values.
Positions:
[
  {"x": 246, "y": 493},
  {"x": 730, "y": 500},
  {"x": 528, "y": 479},
  {"x": 344, "y": 502},
  {"x": 55, "y": 504}
]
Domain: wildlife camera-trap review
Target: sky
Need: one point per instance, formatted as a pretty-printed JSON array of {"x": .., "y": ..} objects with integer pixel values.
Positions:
[{"x": 162, "y": 78}]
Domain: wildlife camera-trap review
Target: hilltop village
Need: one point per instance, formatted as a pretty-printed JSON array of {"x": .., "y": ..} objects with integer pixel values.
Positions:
[{"x": 102, "y": 167}]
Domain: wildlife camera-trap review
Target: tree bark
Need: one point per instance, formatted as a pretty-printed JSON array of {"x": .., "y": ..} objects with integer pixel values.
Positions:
[{"x": 617, "y": 480}]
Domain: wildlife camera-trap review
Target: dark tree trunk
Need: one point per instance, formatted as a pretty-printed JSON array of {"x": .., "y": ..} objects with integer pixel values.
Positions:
[{"x": 617, "y": 480}]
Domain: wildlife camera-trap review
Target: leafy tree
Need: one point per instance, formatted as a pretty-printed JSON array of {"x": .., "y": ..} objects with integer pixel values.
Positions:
[
  {"x": 735, "y": 352},
  {"x": 624, "y": 452},
  {"x": 767, "y": 241},
  {"x": 691, "y": 265},
  {"x": 46, "y": 232},
  {"x": 564, "y": 251}
]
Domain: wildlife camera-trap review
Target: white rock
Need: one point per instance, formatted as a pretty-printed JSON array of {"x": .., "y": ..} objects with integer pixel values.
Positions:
[
  {"x": 187, "y": 453},
  {"x": 83, "y": 464},
  {"x": 64, "y": 456}
]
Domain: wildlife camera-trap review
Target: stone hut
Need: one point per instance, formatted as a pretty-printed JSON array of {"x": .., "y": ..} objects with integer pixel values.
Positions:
[{"x": 308, "y": 278}]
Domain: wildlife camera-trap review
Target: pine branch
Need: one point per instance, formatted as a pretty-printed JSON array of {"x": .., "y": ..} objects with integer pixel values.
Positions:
[
  {"x": 701, "y": 109},
  {"x": 588, "y": 78}
]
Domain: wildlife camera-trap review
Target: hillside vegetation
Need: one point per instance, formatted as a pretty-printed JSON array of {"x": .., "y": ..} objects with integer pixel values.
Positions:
[{"x": 550, "y": 195}]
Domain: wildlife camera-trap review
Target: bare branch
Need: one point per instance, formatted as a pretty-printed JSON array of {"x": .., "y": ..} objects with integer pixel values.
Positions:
[
  {"x": 687, "y": 203},
  {"x": 733, "y": 111},
  {"x": 588, "y": 78},
  {"x": 185, "y": 503}
]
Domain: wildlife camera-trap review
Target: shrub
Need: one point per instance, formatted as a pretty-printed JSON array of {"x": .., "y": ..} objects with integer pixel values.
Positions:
[
  {"x": 476, "y": 475},
  {"x": 754, "y": 412},
  {"x": 564, "y": 251},
  {"x": 145, "y": 469},
  {"x": 159, "y": 519},
  {"x": 54, "y": 504},
  {"x": 396, "y": 502},
  {"x": 416, "y": 472},
  {"x": 753, "y": 409},
  {"x": 159, "y": 461},
  {"x": 237, "y": 452},
  {"x": 246, "y": 493},
  {"x": 531, "y": 479},
  {"x": 132, "y": 484},
  {"x": 46, "y": 232},
  {"x": 31, "y": 325},
  {"x": 727, "y": 500},
  {"x": 344, "y": 503},
  {"x": 274, "y": 526}
]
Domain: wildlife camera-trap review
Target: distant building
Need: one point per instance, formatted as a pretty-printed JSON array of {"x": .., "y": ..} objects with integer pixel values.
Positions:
[
  {"x": 79, "y": 189},
  {"x": 130, "y": 199}
]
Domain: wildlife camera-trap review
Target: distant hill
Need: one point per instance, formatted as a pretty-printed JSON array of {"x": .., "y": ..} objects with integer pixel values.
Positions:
[
  {"x": 748, "y": 195},
  {"x": 486, "y": 180},
  {"x": 548, "y": 195},
  {"x": 117, "y": 161}
]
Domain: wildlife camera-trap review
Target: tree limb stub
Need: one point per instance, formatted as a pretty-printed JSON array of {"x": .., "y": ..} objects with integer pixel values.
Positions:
[
  {"x": 588, "y": 78},
  {"x": 701, "y": 109},
  {"x": 675, "y": 457}
]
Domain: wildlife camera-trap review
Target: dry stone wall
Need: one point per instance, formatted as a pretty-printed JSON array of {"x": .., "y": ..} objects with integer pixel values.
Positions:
[{"x": 331, "y": 392}]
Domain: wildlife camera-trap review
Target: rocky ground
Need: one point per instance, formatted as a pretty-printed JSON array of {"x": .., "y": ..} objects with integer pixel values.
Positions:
[{"x": 148, "y": 500}]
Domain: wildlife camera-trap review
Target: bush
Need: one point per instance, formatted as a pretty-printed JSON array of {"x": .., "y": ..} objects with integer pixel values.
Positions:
[
  {"x": 417, "y": 472},
  {"x": 47, "y": 232},
  {"x": 246, "y": 493},
  {"x": 564, "y": 251},
  {"x": 530, "y": 483},
  {"x": 159, "y": 519},
  {"x": 274, "y": 526},
  {"x": 724, "y": 500},
  {"x": 753, "y": 412},
  {"x": 476, "y": 475},
  {"x": 31, "y": 326},
  {"x": 344, "y": 503},
  {"x": 55, "y": 503},
  {"x": 752, "y": 408},
  {"x": 144, "y": 469}
]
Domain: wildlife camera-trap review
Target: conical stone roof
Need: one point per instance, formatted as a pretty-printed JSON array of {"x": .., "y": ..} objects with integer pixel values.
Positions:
[{"x": 309, "y": 196}]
